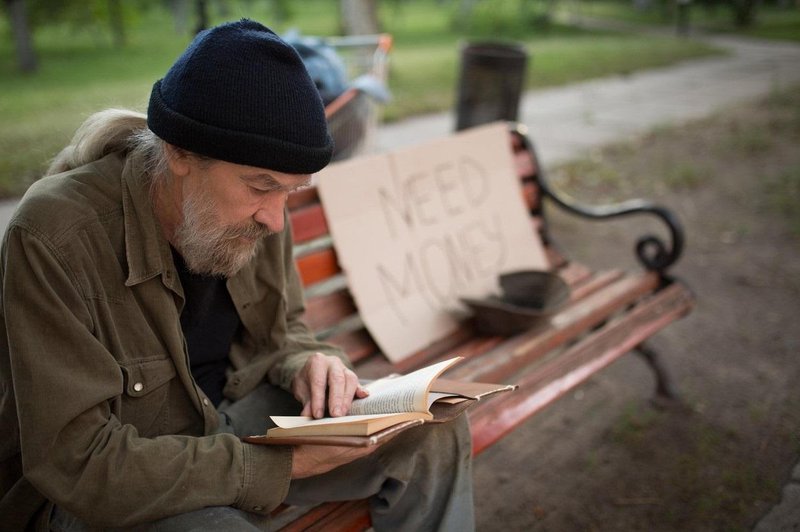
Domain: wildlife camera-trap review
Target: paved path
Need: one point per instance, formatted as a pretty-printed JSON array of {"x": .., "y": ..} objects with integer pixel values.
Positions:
[{"x": 568, "y": 121}]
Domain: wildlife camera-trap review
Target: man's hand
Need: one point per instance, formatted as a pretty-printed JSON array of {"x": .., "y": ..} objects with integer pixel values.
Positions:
[{"x": 326, "y": 381}]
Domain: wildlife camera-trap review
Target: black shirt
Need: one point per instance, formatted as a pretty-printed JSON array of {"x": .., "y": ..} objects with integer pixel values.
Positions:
[{"x": 209, "y": 322}]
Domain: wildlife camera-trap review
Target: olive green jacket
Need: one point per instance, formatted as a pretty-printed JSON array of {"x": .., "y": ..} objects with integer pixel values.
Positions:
[{"x": 99, "y": 412}]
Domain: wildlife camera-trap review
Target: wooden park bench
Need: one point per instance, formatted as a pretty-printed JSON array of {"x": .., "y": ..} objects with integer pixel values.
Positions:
[{"x": 610, "y": 313}]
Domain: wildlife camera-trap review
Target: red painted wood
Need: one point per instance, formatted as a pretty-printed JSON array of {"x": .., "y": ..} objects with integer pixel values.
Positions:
[
  {"x": 548, "y": 382},
  {"x": 308, "y": 223},
  {"x": 317, "y": 266},
  {"x": 325, "y": 311},
  {"x": 350, "y": 516},
  {"x": 519, "y": 351},
  {"x": 302, "y": 197}
]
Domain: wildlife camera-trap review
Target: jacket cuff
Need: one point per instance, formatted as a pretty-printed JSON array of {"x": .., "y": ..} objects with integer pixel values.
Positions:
[{"x": 266, "y": 475}]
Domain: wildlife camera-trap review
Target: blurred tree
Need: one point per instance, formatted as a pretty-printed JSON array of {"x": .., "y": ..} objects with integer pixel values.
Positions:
[
  {"x": 180, "y": 14},
  {"x": 113, "y": 15},
  {"x": 359, "y": 17},
  {"x": 117, "y": 22},
  {"x": 744, "y": 12},
  {"x": 23, "y": 39},
  {"x": 201, "y": 7},
  {"x": 281, "y": 10},
  {"x": 502, "y": 18}
]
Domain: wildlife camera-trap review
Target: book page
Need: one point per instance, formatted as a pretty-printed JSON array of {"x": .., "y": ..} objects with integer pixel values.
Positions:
[
  {"x": 406, "y": 393},
  {"x": 471, "y": 390},
  {"x": 291, "y": 422},
  {"x": 444, "y": 397}
]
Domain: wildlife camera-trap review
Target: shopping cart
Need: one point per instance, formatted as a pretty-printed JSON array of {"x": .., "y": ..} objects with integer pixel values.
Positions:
[{"x": 352, "y": 78}]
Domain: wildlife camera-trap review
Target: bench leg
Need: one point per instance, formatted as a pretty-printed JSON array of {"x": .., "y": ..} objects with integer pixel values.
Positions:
[{"x": 665, "y": 393}]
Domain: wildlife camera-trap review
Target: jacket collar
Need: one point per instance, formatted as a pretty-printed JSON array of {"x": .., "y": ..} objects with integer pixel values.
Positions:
[{"x": 147, "y": 250}]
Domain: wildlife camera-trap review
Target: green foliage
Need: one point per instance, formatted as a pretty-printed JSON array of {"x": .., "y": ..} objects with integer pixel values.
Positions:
[
  {"x": 502, "y": 17},
  {"x": 81, "y": 72},
  {"x": 770, "y": 20},
  {"x": 81, "y": 15}
]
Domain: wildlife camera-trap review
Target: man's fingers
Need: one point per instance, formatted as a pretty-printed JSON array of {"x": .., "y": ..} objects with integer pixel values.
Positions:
[
  {"x": 326, "y": 381},
  {"x": 351, "y": 385},
  {"x": 318, "y": 382},
  {"x": 336, "y": 390},
  {"x": 361, "y": 392}
]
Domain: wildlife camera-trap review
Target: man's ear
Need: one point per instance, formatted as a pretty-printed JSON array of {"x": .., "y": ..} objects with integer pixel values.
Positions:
[{"x": 180, "y": 161}]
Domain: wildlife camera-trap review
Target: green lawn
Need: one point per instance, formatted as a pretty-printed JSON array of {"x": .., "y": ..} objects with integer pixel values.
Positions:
[
  {"x": 771, "y": 22},
  {"x": 81, "y": 72}
]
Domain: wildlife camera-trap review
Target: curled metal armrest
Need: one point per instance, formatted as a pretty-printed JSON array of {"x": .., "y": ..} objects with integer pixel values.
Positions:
[{"x": 651, "y": 250}]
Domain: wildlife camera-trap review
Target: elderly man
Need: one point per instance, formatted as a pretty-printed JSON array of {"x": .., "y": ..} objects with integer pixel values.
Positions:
[{"x": 150, "y": 314}]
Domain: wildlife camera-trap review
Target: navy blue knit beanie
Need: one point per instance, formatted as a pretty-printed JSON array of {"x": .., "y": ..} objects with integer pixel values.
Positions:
[{"x": 241, "y": 94}]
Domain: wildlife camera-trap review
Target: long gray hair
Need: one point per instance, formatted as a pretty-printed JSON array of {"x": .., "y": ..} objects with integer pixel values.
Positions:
[{"x": 110, "y": 131}]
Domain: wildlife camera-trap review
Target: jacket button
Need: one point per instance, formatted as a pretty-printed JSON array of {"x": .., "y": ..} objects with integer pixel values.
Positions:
[
  {"x": 205, "y": 401},
  {"x": 138, "y": 387}
]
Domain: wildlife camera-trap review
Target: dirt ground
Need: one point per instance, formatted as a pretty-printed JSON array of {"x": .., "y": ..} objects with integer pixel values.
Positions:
[{"x": 606, "y": 458}]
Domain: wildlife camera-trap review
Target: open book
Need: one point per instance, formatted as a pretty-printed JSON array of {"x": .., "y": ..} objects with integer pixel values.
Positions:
[{"x": 394, "y": 403}]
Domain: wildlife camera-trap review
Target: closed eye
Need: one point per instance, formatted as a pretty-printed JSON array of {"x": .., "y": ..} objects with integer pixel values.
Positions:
[{"x": 265, "y": 183}]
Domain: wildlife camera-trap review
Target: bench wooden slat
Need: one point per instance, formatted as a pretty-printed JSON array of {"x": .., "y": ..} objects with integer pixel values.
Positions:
[
  {"x": 464, "y": 342},
  {"x": 359, "y": 346},
  {"x": 302, "y": 197},
  {"x": 308, "y": 223},
  {"x": 574, "y": 273},
  {"x": 378, "y": 366},
  {"x": 317, "y": 266},
  {"x": 594, "y": 284},
  {"x": 498, "y": 417},
  {"x": 350, "y": 516},
  {"x": 517, "y": 352},
  {"x": 326, "y": 310}
]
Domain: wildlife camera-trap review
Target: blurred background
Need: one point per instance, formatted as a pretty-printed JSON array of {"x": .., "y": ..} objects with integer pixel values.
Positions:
[
  {"x": 602, "y": 458},
  {"x": 62, "y": 59}
]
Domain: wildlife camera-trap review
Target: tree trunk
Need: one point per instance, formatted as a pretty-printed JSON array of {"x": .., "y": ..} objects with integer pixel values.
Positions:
[
  {"x": 744, "y": 14},
  {"x": 202, "y": 15},
  {"x": 180, "y": 15},
  {"x": 23, "y": 39},
  {"x": 359, "y": 17},
  {"x": 117, "y": 23},
  {"x": 464, "y": 13}
]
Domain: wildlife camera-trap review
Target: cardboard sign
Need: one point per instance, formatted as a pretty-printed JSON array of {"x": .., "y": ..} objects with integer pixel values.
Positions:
[{"x": 418, "y": 228}]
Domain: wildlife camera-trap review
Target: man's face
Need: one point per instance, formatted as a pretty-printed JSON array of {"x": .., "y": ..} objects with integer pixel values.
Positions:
[{"x": 227, "y": 209}]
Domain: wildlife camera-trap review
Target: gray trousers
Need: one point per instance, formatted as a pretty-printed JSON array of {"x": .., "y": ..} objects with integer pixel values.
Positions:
[{"x": 420, "y": 480}]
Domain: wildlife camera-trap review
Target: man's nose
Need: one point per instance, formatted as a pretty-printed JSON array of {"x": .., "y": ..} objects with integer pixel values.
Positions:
[{"x": 270, "y": 212}]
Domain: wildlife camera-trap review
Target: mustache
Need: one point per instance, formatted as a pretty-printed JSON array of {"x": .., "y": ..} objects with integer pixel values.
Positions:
[{"x": 249, "y": 231}]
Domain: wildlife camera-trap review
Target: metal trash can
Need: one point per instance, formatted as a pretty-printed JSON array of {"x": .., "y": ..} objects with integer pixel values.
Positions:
[{"x": 490, "y": 83}]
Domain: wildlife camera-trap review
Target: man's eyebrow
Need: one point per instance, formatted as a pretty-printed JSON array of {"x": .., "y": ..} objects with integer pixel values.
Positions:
[{"x": 269, "y": 181}]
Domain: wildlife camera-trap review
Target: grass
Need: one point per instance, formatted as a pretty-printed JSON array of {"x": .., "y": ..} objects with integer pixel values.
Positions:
[
  {"x": 81, "y": 72},
  {"x": 772, "y": 22},
  {"x": 426, "y": 56},
  {"x": 703, "y": 472},
  {"x": 783, "y": 195},
  {"x": 758, "y": 138}
]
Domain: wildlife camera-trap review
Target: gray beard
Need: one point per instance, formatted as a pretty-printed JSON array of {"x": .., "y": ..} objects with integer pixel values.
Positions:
[{"x": 210, "y": 248}]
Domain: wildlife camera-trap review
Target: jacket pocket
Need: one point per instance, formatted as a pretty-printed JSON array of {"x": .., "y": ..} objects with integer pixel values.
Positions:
[{"x": 145, "y": 401}]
